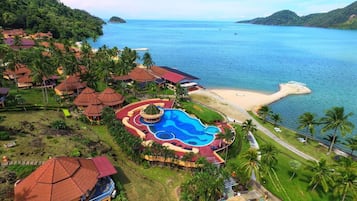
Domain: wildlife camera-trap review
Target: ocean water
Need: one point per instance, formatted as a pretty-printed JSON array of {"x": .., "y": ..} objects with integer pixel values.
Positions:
[{"x": 254, "y": 57}]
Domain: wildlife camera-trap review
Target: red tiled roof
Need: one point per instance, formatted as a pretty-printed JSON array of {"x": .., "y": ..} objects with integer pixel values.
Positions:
[
  {"x": 70, "y": 84},
  {"x": 19, "y": 69},
  {"x": 85, "y": 98},
  {"x": 109, "y": 97},
  {"x": 25, "y": 79},
  {"x": 93, "y": 110},
  {"x": 121, "y": 77},
  {"x": 141, "y": 75},
  {"x": 61, "y": 178},
  {"x": 158, "y": 70},
  {"x": 173, "y": 77},
  {"x": 104, "y": 167}
]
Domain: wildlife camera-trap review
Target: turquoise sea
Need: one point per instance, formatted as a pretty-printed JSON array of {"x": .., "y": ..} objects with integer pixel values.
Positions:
[{"x": 254, "y": 57}]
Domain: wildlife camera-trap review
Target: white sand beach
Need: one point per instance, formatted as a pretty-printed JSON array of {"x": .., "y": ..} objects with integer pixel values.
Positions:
[{"x": 235, "y": 102}]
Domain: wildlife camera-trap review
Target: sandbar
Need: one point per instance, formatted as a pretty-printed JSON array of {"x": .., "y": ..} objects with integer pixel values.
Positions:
[{"x": 235, "y": 102}]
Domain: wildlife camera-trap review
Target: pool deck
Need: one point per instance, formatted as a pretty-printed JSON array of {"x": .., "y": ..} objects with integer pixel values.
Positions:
[{"x": 130, "y": 117}]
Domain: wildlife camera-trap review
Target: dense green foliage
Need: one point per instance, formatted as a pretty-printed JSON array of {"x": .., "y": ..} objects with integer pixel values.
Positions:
[
  {"x": 49, "y": 15},
  {"x": 115, "y": 19},
  {"x": 338, "y": 18}
]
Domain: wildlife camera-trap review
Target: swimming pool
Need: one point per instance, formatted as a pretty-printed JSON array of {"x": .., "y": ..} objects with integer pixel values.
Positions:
[{"x": 177, "y": 124}]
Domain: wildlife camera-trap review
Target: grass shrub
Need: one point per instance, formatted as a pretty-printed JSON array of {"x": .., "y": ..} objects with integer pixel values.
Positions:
[{"x": 204, "y": 114}]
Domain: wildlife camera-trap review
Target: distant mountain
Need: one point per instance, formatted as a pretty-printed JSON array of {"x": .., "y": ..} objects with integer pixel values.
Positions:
[
  {"x": 49, "y": 15},
  {"x": 115, "y": 19},
  {"x": 344, "y": 18}
]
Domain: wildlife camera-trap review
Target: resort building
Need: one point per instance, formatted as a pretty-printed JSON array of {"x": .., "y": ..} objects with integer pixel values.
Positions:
[
  {"x": 70, "y": 86},
  {"x": 72, "y": 179},
  {"x": 3, "y": 93},
  {"x": 41, "y": 35},
  {"x": 24, "y": 43},
  {"x": 92, "y": 103},
  {"x": 161, "y": 75},
  {"x": 13, "y": 32}
]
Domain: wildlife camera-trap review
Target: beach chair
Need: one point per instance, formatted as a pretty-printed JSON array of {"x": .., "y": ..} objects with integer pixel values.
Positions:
[{"x": 66, "y": 113}]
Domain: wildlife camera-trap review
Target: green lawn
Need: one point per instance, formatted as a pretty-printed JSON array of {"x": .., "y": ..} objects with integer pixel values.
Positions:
[
  {"x": 296, "y": 189},
  {"x": 203, "y": 113}
]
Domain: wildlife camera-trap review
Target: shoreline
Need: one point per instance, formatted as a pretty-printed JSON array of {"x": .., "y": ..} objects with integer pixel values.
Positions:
[
  {"x": 235, "y": 103},
  {"x": 251, "y": 100}
]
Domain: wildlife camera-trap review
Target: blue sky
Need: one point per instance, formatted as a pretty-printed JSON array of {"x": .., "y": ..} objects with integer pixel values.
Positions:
[{"x": 201, "y": 9}]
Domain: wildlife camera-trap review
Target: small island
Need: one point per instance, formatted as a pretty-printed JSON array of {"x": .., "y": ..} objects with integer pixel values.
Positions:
[{"x": 115, "y": 19}]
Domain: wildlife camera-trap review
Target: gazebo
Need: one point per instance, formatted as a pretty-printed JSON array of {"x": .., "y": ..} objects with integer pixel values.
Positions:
[
  {"x": 151, "y": 113},
  {"x": 111, "y": 98},
  {"x": 94, "y": 110},
  {"x": 66, "y": 178},
  {"x": 70, "y": 86},
  {"x": 85, "y": 98}
]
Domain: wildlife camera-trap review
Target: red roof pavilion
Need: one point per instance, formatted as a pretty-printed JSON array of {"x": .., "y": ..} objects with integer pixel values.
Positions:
[
  {"x": 85, "y": 98},
  {"x": 61, "y": 178},
  {"x": 141, "y": 75},
  {"x": 109, "y": 97}
]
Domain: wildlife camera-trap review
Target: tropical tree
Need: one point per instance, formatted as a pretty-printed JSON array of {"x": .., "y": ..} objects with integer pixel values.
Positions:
[
  {"x": 276, "y": 118},
  {"x": 294, "y": 165},
  {"x": 248, "y": 126},
  {"x": 128, "y": 58},
  {"x": 351, "y": 143},
  {"x": 268, "y": 155},
  {"x": 322, "y": 175},
  {"x": 147, "y": 60},
  {"x": 227, "y": 135},
  {"x": 346, "y": 185},
  {"x": 252, "y": 165},
  {"x": 41, "y": 69},
  {"x": 204, "y": 185},
  {"x": 336, "y": 120},
  {"x": 264, "y": 112},
  {"x": 307, "y": 121}
]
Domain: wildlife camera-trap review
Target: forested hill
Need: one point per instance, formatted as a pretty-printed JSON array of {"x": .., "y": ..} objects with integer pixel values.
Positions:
[
  {"x": 49, "y": 15},
  {"x": 344, "y": 18}
]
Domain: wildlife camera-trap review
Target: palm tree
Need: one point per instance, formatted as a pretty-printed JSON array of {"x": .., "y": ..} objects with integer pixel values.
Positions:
[
  {"x": 346, "y": 184},
  {"x": 322, "y": 175},
  {"x": 252, "y": 165},
  {"x": 294, "y": 165},
  {"x": 351, "y": 143},
  {"x": 264, "y": 112},
  {"x": 226, "y": 136},
  {"x": 147, "y": 60},
  {"x": 268, "y": 155},
  {"x": 336, "y": 120},
  {"x": 276, "y": 118},
  {"x": 248, "y": 126},
  {"x": 307, "y": 121}
]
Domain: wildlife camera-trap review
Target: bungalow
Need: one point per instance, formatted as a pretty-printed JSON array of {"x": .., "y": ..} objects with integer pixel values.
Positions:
[
  {"x": 41, "y": 35},
  {"x": 71, "y": 85},
  {"x": 20, "y": 71},
  {"x": 13, "y": 32},
  {"x": 66, "y": 178},
  {"x": 92, "y": 103},
  {"x": 24, "y": 43},
  {"x": 3, "y": 93}
]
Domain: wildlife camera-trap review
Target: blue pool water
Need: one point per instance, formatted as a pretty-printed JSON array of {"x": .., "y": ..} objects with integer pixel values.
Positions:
[{"x": 176, "y": 124}]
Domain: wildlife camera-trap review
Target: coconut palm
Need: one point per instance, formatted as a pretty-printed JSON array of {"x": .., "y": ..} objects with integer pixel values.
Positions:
[
  {"x": 351, "y": 143},
  {"x": 40, "y": 71},
  {"x": 276, "y": 118},
  {"x": 252, "y": 164},
  {"x": 307, "y": 121},
  {"x": 321, "y": 175},
  {"x": 248, "y": 126},
  {"x": 294, "y": 165},
  {"x": 264, "y": 112},
  {"x": 147, "y": 60},
  {"x": 268, "y": 155},
  {"x": 336, "y": 120},
  {"x": 346, "y": 185},
  {"x": 226, "y": 136}
]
